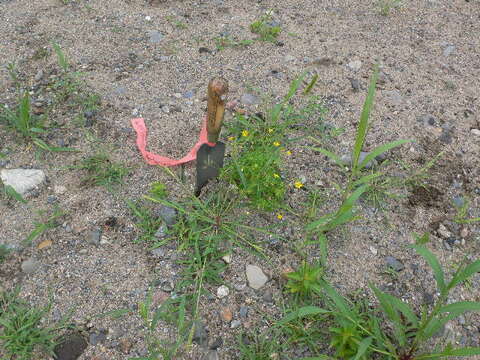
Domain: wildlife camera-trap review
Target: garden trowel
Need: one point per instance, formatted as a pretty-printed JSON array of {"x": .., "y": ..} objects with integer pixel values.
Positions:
[{"x": 210, "y": 155}]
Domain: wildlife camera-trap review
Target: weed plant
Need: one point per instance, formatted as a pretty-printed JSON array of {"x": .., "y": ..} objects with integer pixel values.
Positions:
[
  {"x": 101, "y": 171},
  {"x": 393, "y": 331},
  {"x": 258, "y": 146},
  {"x": 386, "y": 6},
  {"x": 42, "y": 226},
  {"x": 264, "y": 28},
  {"x": 23, "y": 122},
  {"x": 21, "y": 331}
]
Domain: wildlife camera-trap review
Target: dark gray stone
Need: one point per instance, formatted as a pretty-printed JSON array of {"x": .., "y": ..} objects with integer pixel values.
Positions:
[
  {"x": 394, "y": 263},
  {"x": 97, "y": 337},
  {"x": 243, "y": 311},
  {"x": 217, "y": 343},
  {"x": 154, "y": 36},
  {"x": 95, "y": 236},
  {"x": 355, "y": 84}
]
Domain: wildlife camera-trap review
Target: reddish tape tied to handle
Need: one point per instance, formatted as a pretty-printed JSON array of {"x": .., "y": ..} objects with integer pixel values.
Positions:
[{"x": 155, "y": 159}]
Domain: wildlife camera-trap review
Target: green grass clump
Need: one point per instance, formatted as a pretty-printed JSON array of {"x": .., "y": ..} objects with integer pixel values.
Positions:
[
  {"x": 29, "y": 126},
  {"x": 22, "y": 334},
  {"x": 102, "y": 171},
  {"x": 386, "y": 6},
  {"x": 264, "y": 29},
  {"x": 223, "y": 42},
  {"x": 394, "y": 330}
]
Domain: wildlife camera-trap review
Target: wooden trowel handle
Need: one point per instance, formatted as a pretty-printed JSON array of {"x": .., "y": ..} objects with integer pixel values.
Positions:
[{"x": 217, "y": 90}]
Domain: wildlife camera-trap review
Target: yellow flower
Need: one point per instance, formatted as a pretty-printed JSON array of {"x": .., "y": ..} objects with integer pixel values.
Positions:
[
  {"x": 298, "y": 184},
  {"x": 270, "y": 130},
  {"x": 245, "y": 133},
  {"x": 288, "y": 152},
  {"x": 276, "y": 176},
  {"x": 279, "y": 216},
  {"x": 276, "y": 143},
  {"x": 231, "y": 138}
]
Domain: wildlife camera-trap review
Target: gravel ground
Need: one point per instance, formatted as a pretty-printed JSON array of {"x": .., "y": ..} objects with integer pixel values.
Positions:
[{"x": 153, "y": 60}]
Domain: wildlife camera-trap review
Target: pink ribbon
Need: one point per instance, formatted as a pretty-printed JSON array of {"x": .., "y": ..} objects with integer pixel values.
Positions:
[{"x": 155, "y": 159}]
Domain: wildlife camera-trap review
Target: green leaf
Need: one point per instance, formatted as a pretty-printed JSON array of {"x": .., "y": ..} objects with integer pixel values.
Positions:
[
  {"x": 461, "y": 275},
  {"x": 321, "y": 357},
  {"x": 363, "y": 124},
  {"x": 301, "y": 313},
  {"x": 366, "y": 179},
  {"x": 294, "y": 87},
  {"x": 468, "y": 351},
  {"x": 352, "y": 199},
  {"x": 380, "y": 150},
  {"x": 330, "y": 155},
  {"x": 422, "y": 240},
  {"x": 338, "y": 300},
  {"x": 363, "y": 347},
  {"x": 460, "y": 306},
  {"x": 10, "y": 191},
  {"x": 392, "y": 314},
  {"x": 323, "y": 242},
  {"x": 434, "y": 264}
]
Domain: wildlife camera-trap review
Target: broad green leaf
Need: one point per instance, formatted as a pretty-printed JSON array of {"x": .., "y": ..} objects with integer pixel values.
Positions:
[
  {"x": 302, "y": 312},
  {"x": 461, "y": 306},
  {"x": 330, "y": 155},
  {"x": 380, "y": 150},
  {"x": 10, "y": 191},
  {"x": 363, "y": 347},
  {"x": 352, "y": 199},
  {"x": 434, "y": 264},
  {"x": 403, "y": 308},
  {"x": 37, "y": 130},
  {"x": 464, "y": 273},
  {"x": 363, "y": 124},
  {"x": 319, "y": 222}
]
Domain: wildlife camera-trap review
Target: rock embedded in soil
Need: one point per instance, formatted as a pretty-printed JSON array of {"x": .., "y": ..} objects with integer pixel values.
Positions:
[
  {"x": 448, "y": 50},
  {"x": 95, "y": 236},
  {"x": 347, "y": 159},
  {"x": 158, "y": 252},
  {"x": 97, "y": 337},
  {"x": 235, "y": 324},
  {"x": 29, "y": 266},
  {"x": 167, "y": 214},
  {"x": 155, "y": 36},
  {"x": 125, "y": 345},
  {"x": 23, "y": 180},
  {"x": 475, "y": 132},
  {"x": 394, "y": 263},
  {"x": 354, "y": 65},
  {"x": 355, "y": 84},
  {"x": 217, "y": 343},
  {"x": 161, "y": 232},
  {"x": 255, "y": 276},
  {"x": 243, "y": 311},
  {"x": 249, "y": 99},
  {"x": 226, "y": 314}
]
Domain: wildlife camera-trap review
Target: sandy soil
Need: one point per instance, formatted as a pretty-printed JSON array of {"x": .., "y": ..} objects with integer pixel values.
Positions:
[{"x": 428, "y": 91}]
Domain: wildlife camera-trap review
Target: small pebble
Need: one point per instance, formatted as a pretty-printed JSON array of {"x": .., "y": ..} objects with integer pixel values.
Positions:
[
  {"x": 223, "y": 291},
  {"x": 226, "y": 314},
  {"x": 243, "y": 311},
  {"x": 95, "y": 236},
  {"x": 475, "y": 132},
  {"x": 354, "y": 65},
  {"x": 255, "y": 276},
  {"x": 227, "y": 258},
  {"x": 373, "y": 250},
  {"x": 218, "y": 342},
  {"x": 29, "y": 266},
  {"x": 235, "y": 324}
]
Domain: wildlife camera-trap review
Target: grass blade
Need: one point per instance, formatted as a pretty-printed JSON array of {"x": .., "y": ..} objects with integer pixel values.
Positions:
[
  {"x": 460, "y": 306},
  {"x": 434, "y": 264},
  {"x": 461, "y": 275},
  {"x": 302, "y": 312},
  {"x": 363, "y": 347},
  {"x": 10, "y": 191},
  {"x": 363, "y": 124},
  {"x": 380, "y": 150},
  {"x": 330, "y": 155}
]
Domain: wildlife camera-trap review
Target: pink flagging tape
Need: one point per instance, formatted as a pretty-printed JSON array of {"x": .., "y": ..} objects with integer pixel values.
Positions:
[{"x": 155, "y": 159}]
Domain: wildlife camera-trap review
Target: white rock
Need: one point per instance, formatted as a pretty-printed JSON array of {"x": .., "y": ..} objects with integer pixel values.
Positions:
[
  {"x": 148, "y": 18},
  {"x": 475, "y": 132},
  {"x": 23, "y": 180},
  {"x": 223, "y": 291},
  {"x": 255, "y": 276},
  {"x": 373, "y": 250},
  {"x": 227, "y": 258},
  {"x": 59, "y": 189},
  {"x": 443, "y": 231},
  {"x": 354, "y": 65}
]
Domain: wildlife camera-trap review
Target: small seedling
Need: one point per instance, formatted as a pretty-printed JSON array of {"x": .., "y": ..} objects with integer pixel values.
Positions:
[
  {"x": 224, "y": 42},
  {"x": 265, "y": 29},
  {"x": 386, "y": 6},
  {"x": 462, "y": 216},
  {"x": 10, "y": 192},
  {"x": 29, "y": 126},
  {"x": 306, "y": 280},
  {"x": 41, "y": 227},
  {"x": 177, "y": 23}
]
